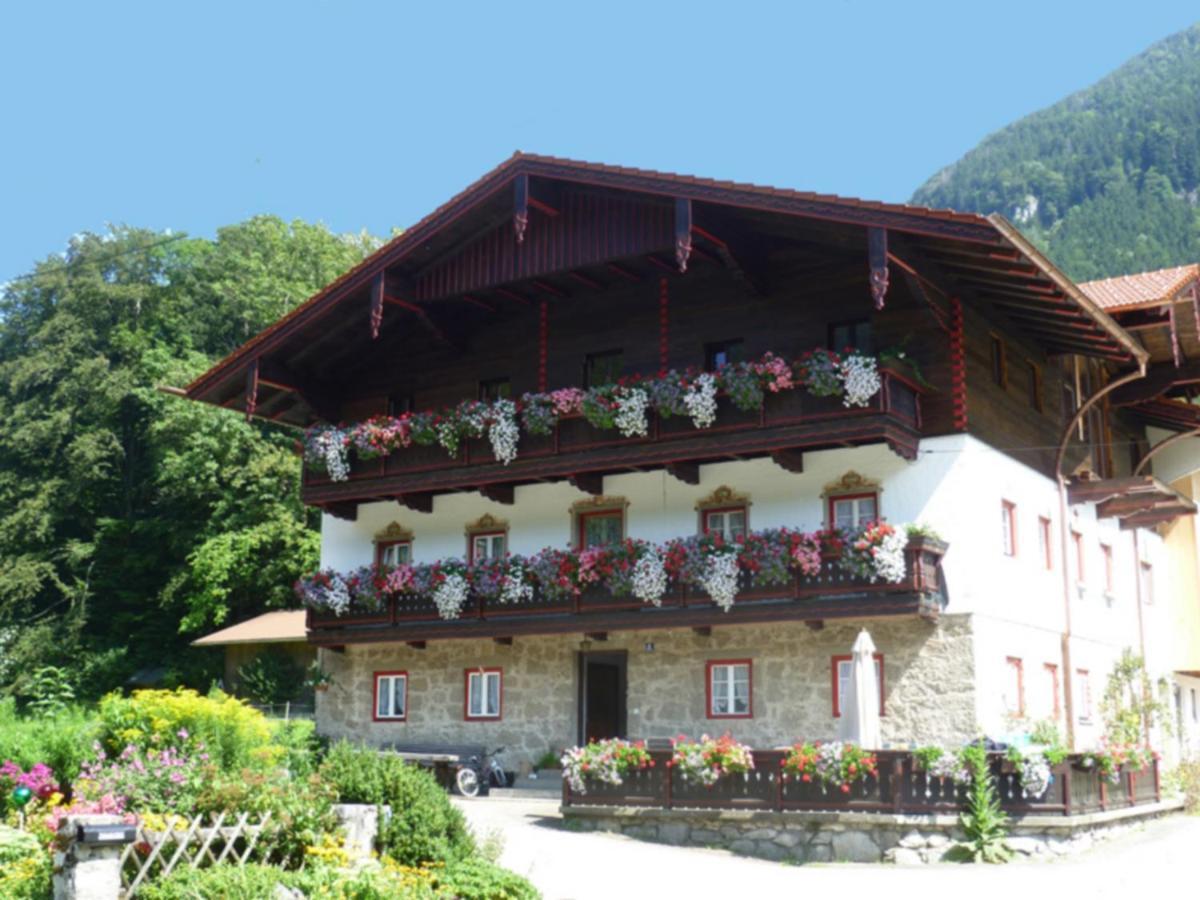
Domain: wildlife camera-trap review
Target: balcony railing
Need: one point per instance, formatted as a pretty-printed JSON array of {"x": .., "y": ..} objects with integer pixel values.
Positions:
[
  {"x": 788, "y": 420},
  {"x": 900, "y": 788},
  {"x": 832, "y": 593}
]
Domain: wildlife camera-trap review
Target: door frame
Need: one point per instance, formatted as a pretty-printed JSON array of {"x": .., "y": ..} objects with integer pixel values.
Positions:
[{"x": 619, "y": 658}]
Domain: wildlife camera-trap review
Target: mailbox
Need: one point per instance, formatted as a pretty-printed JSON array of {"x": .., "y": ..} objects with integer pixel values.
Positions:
[{"x": 106, "y": 834}]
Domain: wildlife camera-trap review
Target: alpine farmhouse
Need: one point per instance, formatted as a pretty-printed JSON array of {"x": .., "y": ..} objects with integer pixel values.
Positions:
[{"x": 647, "y": 425}]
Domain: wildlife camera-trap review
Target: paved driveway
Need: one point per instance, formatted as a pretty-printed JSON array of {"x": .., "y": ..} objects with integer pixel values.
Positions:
[{"x": 570, "y": 865}]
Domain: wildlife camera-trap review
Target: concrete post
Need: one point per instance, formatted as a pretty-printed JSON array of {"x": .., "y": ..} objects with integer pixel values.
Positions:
[{"x": 87, "y": 871}]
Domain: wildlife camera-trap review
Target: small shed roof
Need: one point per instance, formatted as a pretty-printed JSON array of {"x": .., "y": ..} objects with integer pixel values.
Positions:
[
  {"x": 1141, "y": 289},
  {"x": 278, "y": 626}
]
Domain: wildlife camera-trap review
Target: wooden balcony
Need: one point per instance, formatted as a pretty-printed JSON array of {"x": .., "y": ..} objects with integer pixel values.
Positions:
[
  {"x": 831, "y": 594},
  {"x": 786, "y": 424}
]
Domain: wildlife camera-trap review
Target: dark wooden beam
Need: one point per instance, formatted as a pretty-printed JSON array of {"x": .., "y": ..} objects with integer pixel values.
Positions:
[
  {"x": 422, "y": 502},
  {"x": 702, "y": 630},
  {"x": 416, "y": 645},
  {"x": 815, "y": 624},
  {"x": 499, "y": 493},
  {"x": 624, "y": 273},
  {"x": 424, "y": 318},
  {"x": 513, "y": 295},
  {"x": 549, "y": 288},
  {"x": 877, "y": 264},
  {"x": 789, "y": 460},
  {"x": 747, "y": 264},
  {"x": 504, "y": 641},
  {"x": 586, "y": 280},
  {"x": 683, "y": 232},
  {"x": 250, "y": 404},
  {"x": 588, "y": 482},
  {"x": 1123, "y": 506},
  {"x": 347, "y": 511},
  {"x": 377, "y": 291},
  {"x": 1159, "y": 379},
  {"x": 688, "y": 473},
  {"x": 597, "y": 636},
  {"x": 335, "y": 648},
  {"x": 520, "y": 206}
]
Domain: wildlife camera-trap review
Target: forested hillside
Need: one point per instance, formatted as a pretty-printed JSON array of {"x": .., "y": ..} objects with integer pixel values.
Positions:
[
  {"x": 128, "y": 518},
  {"x": 1107, "y": 180}
]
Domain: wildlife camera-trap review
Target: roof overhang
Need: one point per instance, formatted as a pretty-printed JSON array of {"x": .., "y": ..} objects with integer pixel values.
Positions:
[
  {"x": 1138, "y": 501},
  {"x": 276, "y": 627}
]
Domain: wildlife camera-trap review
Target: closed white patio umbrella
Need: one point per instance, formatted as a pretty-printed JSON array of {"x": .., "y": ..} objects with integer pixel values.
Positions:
[{"x": 860, "y": 701}]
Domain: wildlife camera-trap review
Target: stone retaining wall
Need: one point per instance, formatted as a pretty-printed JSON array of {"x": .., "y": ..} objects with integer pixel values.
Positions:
[{"x": 852, "y": 837}]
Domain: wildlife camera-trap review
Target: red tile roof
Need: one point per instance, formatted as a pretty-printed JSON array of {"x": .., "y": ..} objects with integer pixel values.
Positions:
[{"x": 1140, "y": 289}]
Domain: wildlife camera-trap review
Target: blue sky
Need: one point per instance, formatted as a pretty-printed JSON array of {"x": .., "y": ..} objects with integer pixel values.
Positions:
[{"x": 367, "y": 115}]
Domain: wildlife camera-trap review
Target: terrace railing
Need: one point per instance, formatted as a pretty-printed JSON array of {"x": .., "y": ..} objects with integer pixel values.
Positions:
[
  {"x": 901, "y": 788},
  {"x": 791, "y": 419}
]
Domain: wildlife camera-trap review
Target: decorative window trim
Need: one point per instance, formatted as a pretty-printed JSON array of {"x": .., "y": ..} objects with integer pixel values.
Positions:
[
  {"x": 393, "y": 533},
  {"x": 582, "y": 509},
  {"x": 1015, "y": 663},
  {"x": 851, "y": 486},
  {"x": 482, "y": 670},
  {"x": 1083, "y": 691},
  {"x": 1110, "y": 575},
  {"x": 375, "y": 676},
  {"x": 1008, "y": 516},
  {"x": 837, "y": 700},
  {"x": 722, "y": 496},
  {"x": 708, "y": 691},
  {"x": 708, "y": 511},
  {"x": 486, "y": 525},
  {"x": 1046, "y": 535},
  {"x": 1080, "y": 561}
]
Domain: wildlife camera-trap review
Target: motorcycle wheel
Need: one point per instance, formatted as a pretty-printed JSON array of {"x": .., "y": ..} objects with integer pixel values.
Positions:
[{"x": 467, "y": 782}]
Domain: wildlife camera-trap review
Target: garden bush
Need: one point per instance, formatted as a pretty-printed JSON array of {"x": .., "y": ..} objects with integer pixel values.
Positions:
[
  {"x": 62, "y": 741},
  {"x": 424, "y": 826},
  {"x": 235, "y": 733},
  {"x": 25, "y": 866},
  {"x": 478, "y": 879}
]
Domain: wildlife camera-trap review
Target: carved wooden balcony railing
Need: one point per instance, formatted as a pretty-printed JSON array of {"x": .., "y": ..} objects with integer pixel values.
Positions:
[
  {"x": 788, "y": 421},
  {"x": 832, "y": 593},
  {"x": 900, "y": 788}
]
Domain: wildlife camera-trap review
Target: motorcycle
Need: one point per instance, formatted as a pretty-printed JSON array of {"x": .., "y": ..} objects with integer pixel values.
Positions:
[{"x": 477, "y": 776}]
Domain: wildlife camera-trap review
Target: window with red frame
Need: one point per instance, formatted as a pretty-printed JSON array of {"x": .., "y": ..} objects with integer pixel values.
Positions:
[
  {"x": 841, "y": 669},
  {"x": 1106, "y": 552},
  {"x": 393, "y": 553},
  {"x": 729, "y": 688},
  {"x": 603, "y": 528},
  {"x": 1045, "y": 545},
  {"x": 391, "y": 697},
  {"x": 484, "y": 692},
  {"x": 1080, "y": 566},
  {"x": 1083, "y": 695},
  {"x": 1014, "y": 687},
  {"x": 1051, "y": 671},
  {"x": 1008, "y": 527},
  {"x": 730, "y": 523},
  {"x": 853, "y": 511},
  {"x": 490, "y": 545}
]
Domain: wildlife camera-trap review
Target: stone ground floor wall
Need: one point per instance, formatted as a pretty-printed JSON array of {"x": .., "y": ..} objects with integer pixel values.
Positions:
[
  {"x": 929, "y": 679},
  {"x": 852, "y": 837}
]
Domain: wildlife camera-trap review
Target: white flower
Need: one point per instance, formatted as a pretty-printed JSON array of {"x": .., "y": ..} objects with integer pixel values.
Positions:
[
  {"x": 889, "y": 557},
  {"x": 720, "y": 579},
  {"x": 335, "y": 597},
  {"x": 503, "y": 433},
  {"x": 860, "y": 379},
  {"x": 447, "y": 435},
  {"x": 701, "y": 401},
  {"x": 949, "y": 767},
  {"x": 330, "y": 448},
  {"x": 630, "y": 416},
  {"x": 515, "y": 588},
  {"x": 450, "y": 595},
  {"x": 650, "y": 578},
  {"x": 1035, "y": 775}
]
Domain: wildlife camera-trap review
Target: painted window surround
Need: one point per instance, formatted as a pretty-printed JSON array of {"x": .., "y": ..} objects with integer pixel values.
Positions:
[
  {"x": 731, "y": 666},
  {"x": 481, "y": 676},
  {"x": 393, "y": 678}
]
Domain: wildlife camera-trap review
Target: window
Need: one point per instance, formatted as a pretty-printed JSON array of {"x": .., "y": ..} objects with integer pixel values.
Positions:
[
  {"x": 1008, "y": 527},
  {"x": 483, "y": 694},
  {"x": 721, "y": 353},
  {"x": 842, "y": 666},
  {"x": 1051, "y": 671},
  {"x": 1014, "y": 686},
  {"x": 729, "y": 689},
  {"x": 729, "y": 523},
  {"x": 391, "y": 697},
  {"x": 1146, "y": 573},
  {"x": 492, "y": 545},
  {"x": 1080, "y": 568},
  {"x": 1083, "y": 695},
  {"x": 999, "y": 362},
  {"x": 601, "y": 529},
  {"x": 856, "y": 334},
  {"x": 603, "y": 368},
  {"x": 393, "y": 553},
  {"x": 399, "y": 404},
  {"x": 1106, "y": 554},
  {"x": 495, "y": 389},
  {"x": 853, "y": 511},
  {"x": 1035, "y": 387},
  {"x": 1045, "y": 545}
]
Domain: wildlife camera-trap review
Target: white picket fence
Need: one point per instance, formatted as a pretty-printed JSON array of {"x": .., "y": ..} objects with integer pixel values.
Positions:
[{"x": 227, "y": 838}]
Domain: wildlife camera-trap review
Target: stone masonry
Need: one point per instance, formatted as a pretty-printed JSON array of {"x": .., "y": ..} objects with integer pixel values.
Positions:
[{"x": 928, "y": 683}]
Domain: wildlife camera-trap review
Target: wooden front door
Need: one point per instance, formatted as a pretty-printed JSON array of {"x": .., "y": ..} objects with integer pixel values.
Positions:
[{"x": 602, "y": 692}]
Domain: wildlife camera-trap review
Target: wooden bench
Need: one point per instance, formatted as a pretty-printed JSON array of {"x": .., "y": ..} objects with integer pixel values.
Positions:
[{"x": 442, "y": 759}]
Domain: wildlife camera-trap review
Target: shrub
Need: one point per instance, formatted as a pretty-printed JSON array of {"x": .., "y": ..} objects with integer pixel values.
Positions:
[
  {"x": 478, "y": 879},
  {"x": 424, "y": 826},
  {"x": 273, "y": 676},
  {"x": 260, "y": 882},
  {"x": 984, "y": 822},
  {"x": 155, "y": 780},
  {"x": 298, "y": 743},
  {"x": 301, "y": 809},
  {"x": 62, "y": 741},
  {"x": 236, "y": 734},
  {"x": 25, "y": 866}
]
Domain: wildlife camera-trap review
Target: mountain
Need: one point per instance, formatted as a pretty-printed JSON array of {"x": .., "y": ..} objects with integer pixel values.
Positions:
[{"x": 1106, "y": 181}]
